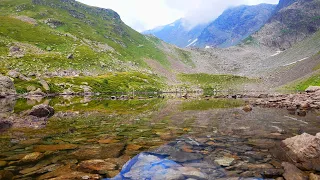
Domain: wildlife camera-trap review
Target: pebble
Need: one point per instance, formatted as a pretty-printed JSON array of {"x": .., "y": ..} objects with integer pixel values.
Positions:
[
  {"x": 3, "y": 163},
  {"x": 225, "y": 161}
]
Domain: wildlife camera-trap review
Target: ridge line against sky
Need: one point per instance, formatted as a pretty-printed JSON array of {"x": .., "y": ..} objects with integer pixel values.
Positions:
[{"x": 143, "y": 15}]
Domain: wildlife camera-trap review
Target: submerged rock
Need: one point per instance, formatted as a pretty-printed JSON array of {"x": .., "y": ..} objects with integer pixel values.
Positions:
[
  {"x": 3, "y": 163},
  {"x": 304, "y": 151},
  {"x": 42, "y": 110},
  {"x": 77, "y": 175},
  {"x": 155, "y": 166},
  {"x": 57, "y": 147},
  {"x": 96, "y": 166},
  {"x": 99, "y": 152},
  {"x": 32, "y": 157},
  {"x": 6, "y": 175},
  {"x": 225, "y": 161}
]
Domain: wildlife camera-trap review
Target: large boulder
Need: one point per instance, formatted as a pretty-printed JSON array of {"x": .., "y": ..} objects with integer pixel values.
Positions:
[
  {"x": 304, "y": 151},
  {"x": 42, "y": 110},
  {"x": 6, "y": 86}
]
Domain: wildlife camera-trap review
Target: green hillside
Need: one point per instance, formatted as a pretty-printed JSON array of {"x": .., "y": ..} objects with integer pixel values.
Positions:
[
  {"x": 50, "y": 38},
  {"x": 58, "y": 28}
]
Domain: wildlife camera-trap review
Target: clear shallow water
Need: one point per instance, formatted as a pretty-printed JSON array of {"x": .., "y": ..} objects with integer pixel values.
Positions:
[{"x": 203, "y": 133}]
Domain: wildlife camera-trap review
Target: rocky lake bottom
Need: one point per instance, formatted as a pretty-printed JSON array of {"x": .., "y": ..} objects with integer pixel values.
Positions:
[{"x": 96, "y": 138}]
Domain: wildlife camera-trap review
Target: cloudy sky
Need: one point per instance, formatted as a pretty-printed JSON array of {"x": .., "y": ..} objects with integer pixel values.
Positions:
[{"x": 147, "y": 14}]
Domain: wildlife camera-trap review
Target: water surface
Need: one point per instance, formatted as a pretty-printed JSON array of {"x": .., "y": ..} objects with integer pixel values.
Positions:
[{"x": 213, "y": 133}]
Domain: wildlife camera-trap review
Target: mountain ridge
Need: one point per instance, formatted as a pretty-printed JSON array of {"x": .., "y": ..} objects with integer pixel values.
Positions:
[{"x": 224, "y": 31}]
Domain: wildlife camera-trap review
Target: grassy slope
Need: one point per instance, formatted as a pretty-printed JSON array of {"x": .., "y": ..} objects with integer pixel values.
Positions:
[
  {"x": 81, "y": 32},
  {"x": 208, "y": 82},
  {"x": 128, "y": 44},
  {"x": 112, "y": 82}
]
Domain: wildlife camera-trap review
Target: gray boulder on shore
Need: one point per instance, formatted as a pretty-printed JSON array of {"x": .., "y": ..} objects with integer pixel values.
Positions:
[{"x": 6, "y": 86}]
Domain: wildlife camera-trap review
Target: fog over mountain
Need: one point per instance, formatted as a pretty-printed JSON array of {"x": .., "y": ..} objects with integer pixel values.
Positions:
[{"x": 204, "y": 11}]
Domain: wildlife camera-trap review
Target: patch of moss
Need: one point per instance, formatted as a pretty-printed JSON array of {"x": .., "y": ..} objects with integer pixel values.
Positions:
[{"x": 302, "y": 85}]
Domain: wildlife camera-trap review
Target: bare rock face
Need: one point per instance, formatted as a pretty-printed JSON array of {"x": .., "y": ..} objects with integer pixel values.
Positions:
[
  {"x": 293, "y": 21},
  {"x": 304, "y": 151},
  {"x": 53, "y": 23},
  {"x": 42, "y": 111},
  {"x": 6, "y": 86}
]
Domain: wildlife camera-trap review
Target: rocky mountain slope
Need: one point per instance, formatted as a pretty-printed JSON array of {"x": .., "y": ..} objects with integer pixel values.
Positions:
[
  {"x": 234, "y": 25},
  {"x": 62, "y": 46},
  {"x": 177, "y": 33},
  {"x": 231, "y": 27},
  {"x": 291, "y": 23}
]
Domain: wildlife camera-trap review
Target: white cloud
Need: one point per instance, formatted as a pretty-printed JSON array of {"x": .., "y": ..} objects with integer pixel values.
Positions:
[
  {"x": 147, "y": 14},
  {"x": 140, "y": 14},
  {"x": 204, "y": 11}
]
